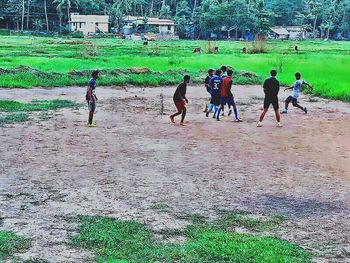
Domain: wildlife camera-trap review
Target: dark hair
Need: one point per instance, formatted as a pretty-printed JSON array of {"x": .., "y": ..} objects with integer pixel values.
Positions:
[
  {"x": 187, "y": 78},
  {"x": 218, "y": 72},
  {"x": 297, "y": 75},
  {"x": 273, "y": 73},
  {"x": 224, "y": 68},
  {"x": 229, "y": 72},
  {"x": 95, "y": 73},
  {"x": 210, "y": 71}
]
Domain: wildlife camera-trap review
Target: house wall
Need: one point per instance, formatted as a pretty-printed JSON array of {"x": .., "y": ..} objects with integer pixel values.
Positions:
[
  {"x": 87, "y": 24},
  {"x": 167, "y": 29}
]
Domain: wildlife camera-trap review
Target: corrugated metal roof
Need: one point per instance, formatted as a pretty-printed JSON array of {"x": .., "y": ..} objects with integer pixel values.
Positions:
[{"x": 280, "y": 30}]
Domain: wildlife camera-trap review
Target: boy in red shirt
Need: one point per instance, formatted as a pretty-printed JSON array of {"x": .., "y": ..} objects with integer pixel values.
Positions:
[{"x": 227, "y": 96}]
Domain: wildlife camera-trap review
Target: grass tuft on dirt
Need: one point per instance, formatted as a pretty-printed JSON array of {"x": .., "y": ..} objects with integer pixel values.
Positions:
[
  {"x": 35, "y": 105},
  {"x": 129, "y": 241},
  {"x": 10, "y": 243},
  {"x": 13, "y": 118}
]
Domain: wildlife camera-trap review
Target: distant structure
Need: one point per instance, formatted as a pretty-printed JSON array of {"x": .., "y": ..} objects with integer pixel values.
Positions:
[
  {"x": 288, "y": 32},
  {"x": 162, "y": 29},
  {"x": 89, "y": 24}
]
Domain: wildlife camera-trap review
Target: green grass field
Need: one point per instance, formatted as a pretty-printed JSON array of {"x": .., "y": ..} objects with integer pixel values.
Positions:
[
  {"x": 10, "y": 243},
  {"x": 324, "y": 64}
]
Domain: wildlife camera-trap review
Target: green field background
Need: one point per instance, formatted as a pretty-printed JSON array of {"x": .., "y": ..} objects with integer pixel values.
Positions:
[{"x": 325, "y": 64}]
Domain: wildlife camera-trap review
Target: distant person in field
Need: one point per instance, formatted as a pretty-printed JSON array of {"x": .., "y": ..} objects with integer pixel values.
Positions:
[
  {"x": 180, "y": 100},
  {"x": 226, "y": 96},
  {"x": 215, "y": 90},
  {"x": 296, "y": 90},
  {"x": 271, "y": 88},
  {"x": 207, "y": 86},
  {"x": 91, "y": 97}
]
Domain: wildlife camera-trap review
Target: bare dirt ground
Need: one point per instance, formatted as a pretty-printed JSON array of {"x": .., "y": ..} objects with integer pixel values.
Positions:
[{"x": 55, "y": 168}]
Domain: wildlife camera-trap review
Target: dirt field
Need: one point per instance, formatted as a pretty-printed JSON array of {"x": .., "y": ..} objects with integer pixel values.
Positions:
[{"x": 55, "y": 168}]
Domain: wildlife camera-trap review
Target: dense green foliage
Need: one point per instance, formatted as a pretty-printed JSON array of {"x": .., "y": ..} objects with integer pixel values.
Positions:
[
  {"x": 11, "y": 243},
  {"x": 195, "y": 18},
  {"x": 66, "y": 62},
  {"x": 129, "y": 241}
]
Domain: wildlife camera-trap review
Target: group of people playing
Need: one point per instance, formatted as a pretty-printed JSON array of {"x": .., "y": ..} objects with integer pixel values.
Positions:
[{"x": 218, "y": 84}]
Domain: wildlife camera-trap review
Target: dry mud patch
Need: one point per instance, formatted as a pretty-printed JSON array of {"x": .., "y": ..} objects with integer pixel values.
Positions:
[{"x": 53, "y": 169}]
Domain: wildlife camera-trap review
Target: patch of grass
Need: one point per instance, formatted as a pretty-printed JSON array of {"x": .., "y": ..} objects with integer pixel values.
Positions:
[
  {"x": 235, "y": 219},
  {"x": 13, "y": 118},
  {"x": 129, "y": 241},
  {"x": 10, "y": 243},
  {"x": 35, "y": 105},
  {"x": 160, "y": 207}
]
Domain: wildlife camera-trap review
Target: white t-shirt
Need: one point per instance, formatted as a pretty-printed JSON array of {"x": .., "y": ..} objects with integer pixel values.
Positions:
[{"x": 297, "y": 86}]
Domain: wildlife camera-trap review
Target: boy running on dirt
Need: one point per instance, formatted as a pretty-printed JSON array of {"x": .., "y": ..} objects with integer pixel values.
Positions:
[
  {"x": 180, "y": 100},
  {"x": 207, "y": 86},
  {"x": 215, "y": 89},
  {"x": 271, "y": 89},
  {"x": 227, "y": 96},
  {"x": 297, "y": 86},
  {"x": 91, "y": 96}
]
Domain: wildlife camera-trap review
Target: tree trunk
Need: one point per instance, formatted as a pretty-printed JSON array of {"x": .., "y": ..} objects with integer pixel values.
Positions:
[
  {"x": 28, "y": 2},
  {"x": 151, "y": 9},
  {"x": 46, "y": 18},
  {"x": 194, "y": 9},
  {"x": 314, "y": 29},
  {"x": 22, "y": 15}
]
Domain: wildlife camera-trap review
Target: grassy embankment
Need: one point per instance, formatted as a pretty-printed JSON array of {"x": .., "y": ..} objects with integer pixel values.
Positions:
[{"x": 65, "y": 62}]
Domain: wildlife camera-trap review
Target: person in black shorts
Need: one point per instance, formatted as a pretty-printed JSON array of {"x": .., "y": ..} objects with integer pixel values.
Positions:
[{"x": 271, "y": 89}]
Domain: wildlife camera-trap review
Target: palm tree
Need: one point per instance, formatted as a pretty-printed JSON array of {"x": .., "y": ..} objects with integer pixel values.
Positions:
[
  {"x": 65, "y": 4},
  {"x": 123, "y": 6}
]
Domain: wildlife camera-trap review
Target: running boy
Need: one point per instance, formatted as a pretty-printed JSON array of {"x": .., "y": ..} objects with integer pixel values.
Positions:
[
  {"x": 180, "y": 100},
  {"x": 227, "y": 96},
  {"x": 207, "y": 86},
  {"x": 91, "y": 96},
  {"x": 215, "y": 89},
  {"x": 271, "y": 89},
  {"x": 297, "y": 86}
]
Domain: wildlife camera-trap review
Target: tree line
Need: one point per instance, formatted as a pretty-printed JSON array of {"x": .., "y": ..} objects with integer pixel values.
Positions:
[{"x": 194, "y": 18}]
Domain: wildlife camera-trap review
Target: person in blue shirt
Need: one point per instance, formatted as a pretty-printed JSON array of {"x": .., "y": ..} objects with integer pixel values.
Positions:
[
  {"x": 215, "y": 90},
  {"x": 91, "y": 96},
  {"x": 296, "y": 90}
]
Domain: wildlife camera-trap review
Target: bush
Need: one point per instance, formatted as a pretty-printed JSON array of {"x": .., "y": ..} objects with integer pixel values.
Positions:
[
  {"x": 5, "y": 32},
  {"x": 77, "y": 34}
]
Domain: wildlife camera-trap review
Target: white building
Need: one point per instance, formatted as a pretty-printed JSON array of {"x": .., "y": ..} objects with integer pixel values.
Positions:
[
  {"x": 134, "y": 24},
  {"x": 89, "y": 24}
]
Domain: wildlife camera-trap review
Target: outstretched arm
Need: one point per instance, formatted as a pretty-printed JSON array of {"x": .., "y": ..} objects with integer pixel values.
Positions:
[{"x": 288, "y": 88}]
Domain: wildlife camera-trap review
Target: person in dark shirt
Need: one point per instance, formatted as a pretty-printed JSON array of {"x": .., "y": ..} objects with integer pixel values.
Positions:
[
  {"x": 207, "y": 86},
  {"x": 215, "y": 89},
  {"x": 180, "y": 100},
  {"x": 226, "y": 96},
  {"x": 271, "y": 88},
  {"x": 91, "y": 97}
]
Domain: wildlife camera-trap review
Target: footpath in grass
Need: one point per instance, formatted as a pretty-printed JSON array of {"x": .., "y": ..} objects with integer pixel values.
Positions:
[
  {"x": 10, "y": 243},
  {"x": 129, "y": 241},
  {"x": 15, "y": 111}
]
